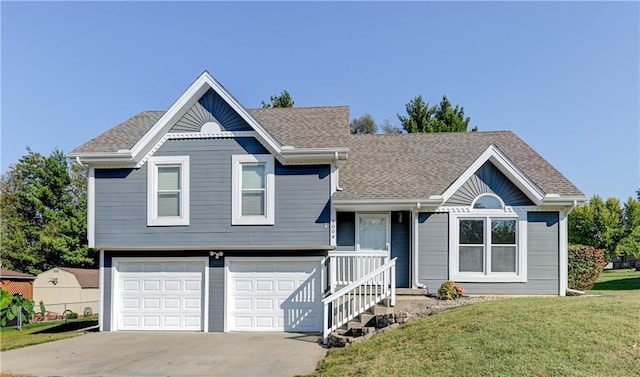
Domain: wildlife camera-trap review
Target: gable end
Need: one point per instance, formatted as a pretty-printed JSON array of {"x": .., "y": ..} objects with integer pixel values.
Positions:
[
  {"x": 210, "y": 108},
  {"x": 488, "y": 180}
]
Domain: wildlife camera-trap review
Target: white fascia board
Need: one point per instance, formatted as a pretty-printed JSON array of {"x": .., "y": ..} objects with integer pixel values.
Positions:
[
  {"x": 184, "y": 103},
  {"x": 508, "y": 168},
  {"x": 365, "y": 205},
  {"x": 221, "y": 248},
  {"x": 563, "y": 201}
]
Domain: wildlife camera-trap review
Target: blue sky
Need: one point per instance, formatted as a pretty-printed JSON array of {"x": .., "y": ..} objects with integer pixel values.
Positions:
[{"x": 562, "y": 76}]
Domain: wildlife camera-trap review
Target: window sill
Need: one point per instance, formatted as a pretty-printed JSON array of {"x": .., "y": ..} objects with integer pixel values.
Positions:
[
  {"x": 494, "y": 278},
  {"x": 252, "y": 221},
  {"x": 168, "y": 222}
]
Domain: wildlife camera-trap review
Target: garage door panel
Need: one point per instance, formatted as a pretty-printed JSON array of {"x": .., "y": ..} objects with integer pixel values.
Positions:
[
  {"x": 274, "y": 296},
  {"x": 160, "y": 296},
  {"x": 192, "y": 285},
  {"x": 172, "y": 285},
  {"x": 151, "y": 303},
  {"x": 172, "y": 303},
  {"x": 151, "y": 285}
]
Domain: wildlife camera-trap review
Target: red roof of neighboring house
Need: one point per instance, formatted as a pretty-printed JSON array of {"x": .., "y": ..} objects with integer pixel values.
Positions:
[
  {"x": 4, "y": 273},
  {"x": 88, "y": 278}
]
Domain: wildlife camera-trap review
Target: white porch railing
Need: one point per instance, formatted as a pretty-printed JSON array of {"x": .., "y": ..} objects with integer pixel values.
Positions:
[
  {"x": 345, "y": 267},
  {"x": 357, "y": 297}
]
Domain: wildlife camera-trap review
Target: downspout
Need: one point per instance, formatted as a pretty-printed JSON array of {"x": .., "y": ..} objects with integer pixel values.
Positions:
[
  {"x": 79, "y": 162},
  {"x": 338, "y": 188},
  {"x": 569, "y": 290},
  {"x": 414, "y": 245}
]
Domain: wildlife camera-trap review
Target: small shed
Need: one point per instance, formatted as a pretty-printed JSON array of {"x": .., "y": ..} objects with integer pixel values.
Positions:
[
  {"x": 65, "y": 288},
  {"x": 17, "y": 282}
]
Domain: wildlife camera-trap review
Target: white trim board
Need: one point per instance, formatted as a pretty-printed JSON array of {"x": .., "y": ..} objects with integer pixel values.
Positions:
[{"x": 91, "y": 207}]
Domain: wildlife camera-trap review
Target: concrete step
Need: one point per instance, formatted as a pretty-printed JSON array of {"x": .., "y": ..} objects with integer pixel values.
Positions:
[
  {"x": 411, "y": 292},
  {"x": 380, "y": 309},
  {"x": 363, "y": 320}
]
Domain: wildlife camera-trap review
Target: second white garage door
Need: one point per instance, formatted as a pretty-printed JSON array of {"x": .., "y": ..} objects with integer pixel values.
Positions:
[{"x": 269, "y": 295}]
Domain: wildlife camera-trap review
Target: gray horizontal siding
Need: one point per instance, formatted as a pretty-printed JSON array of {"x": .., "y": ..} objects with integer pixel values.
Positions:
[
  {"x": 433, "y": 249},
  {"x": 488, "y": 180},
  {"x": 346, "y": 230},
  {"x": 400, "y": 244},
  {"x": 301, "y": 202},
  {"x": 542, "y": 256},
  {"x": 216, "y": 295},
  {"x": 106, "y": 285}
]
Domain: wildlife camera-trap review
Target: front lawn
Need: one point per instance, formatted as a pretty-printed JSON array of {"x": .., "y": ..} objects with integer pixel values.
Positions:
[
  {"x": 618, "y": 282},
  {"x": 42, "y": 332},
  {"x": 571, "y": 336}
]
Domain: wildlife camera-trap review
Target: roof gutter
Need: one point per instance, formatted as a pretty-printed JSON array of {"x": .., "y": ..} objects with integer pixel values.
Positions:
[
  {"x": 123, "y": 158},
  {"x": 387, "y": 204},
  {"x": 556, "y": 200},
  {"x": 251, "y": 248},
  {"x": 293, "y": 155}
]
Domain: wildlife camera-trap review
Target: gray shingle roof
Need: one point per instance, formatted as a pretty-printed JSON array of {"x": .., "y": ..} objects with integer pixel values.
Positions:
[
  {"x": 302, "y": 127},
  {"x": 306, "y": 127},
  {"x": 396, "y": 166},
  {"x": 123, "y": 136},
  {"x": 401, "y": 166}
]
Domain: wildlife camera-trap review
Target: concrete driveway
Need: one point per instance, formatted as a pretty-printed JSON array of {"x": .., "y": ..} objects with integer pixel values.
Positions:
[{"x": 169, "y": 354}]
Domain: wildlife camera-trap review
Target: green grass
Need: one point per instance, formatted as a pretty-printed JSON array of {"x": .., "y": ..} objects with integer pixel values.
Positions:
[
  {"x": 618, "y": 282},
  {"x": 41, "y": 332},
  {"x": 570, "y": 336}
]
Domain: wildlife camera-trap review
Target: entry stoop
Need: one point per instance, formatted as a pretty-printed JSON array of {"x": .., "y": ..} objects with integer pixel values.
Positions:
[{"x": 378, "y": 318}]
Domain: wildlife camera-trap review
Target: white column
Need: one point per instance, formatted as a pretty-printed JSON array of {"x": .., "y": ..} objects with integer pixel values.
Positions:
[{"x": 563, "y": 240}]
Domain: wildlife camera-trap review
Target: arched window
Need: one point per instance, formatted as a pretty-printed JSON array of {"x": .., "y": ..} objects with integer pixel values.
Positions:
[
  {"x": 488, "y": 242},
  {"x": 488, "y": 201}
]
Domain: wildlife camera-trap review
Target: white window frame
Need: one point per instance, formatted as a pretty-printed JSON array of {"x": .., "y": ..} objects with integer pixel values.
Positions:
[
  {"x": 520, "y": 276},
  {"x": 152, "y": 188},
  {"x": 236, "y": 192},
  {"x": 360, "y": 215}
]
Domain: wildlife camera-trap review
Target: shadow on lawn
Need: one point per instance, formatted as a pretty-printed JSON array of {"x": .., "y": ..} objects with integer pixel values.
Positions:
[
  {"x": 69, "y": 326},
  {"x": 618, "y": 285}
]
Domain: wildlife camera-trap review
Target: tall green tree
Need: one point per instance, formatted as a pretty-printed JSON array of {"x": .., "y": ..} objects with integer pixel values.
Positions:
[
  {"x": 363, "y": 125},
  {"x": 607, "y": 225},
  {"x": 43, "y": 214},
  {"x": 282, "y": 100},
  {"x": 424, "y": 118},
  {"x": 630, "y": 242}
]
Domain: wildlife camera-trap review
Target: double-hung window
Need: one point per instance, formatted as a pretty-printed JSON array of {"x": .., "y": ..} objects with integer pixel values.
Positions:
[
  {"x": 488, "y": 244},
  {"x": 168, "y": 190},
  {"x": 253, "y": 190}
]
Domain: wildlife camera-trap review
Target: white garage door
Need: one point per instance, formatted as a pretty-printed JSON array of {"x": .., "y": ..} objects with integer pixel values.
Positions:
[
  {"x": 274, "y": 295},
  {"x": 159, "y": 295}
]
